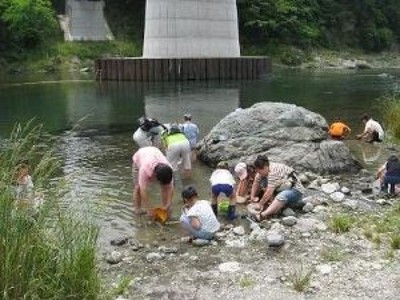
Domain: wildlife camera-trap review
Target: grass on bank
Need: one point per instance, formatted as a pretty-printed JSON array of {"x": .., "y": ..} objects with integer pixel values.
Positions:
[
  {"x": 300, "y": 278},
  {"x": 383, "y": 228},
  {"x": 59, "y": 55},
  {"x": 390, "y": 110},
  {"x": 47, "y": 253},
  {"x": 341, "y": 223}
]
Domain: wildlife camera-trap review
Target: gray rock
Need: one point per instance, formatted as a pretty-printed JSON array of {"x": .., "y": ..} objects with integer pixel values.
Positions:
[
  {"x": 329, "y": 188},
  {"x": 337, "y": 196},
  {"x": 310, "y": 225},
  {"x": 284, "y": 132},
  {"x": 154, "y": 256},
  {"x": 275, "y": 239},
  {"x": 239, "y": 230},
  {"x": 303, "y": 178},
  {"x": 258, "y": 235},
  {"x": 165, "y": 249},
  {"x": 324, "y": 269},
  {"x": 309, "y": 207},
  {"x": 314, "y": 185},
  {"x": 229, "y": 267},
  {"x": 345, "y": 190},
  {"x": 287, "y": 212},
  {"x": 115, "y": 257},
  {"x": 350, "y": 204},
  {"x": 200, "y": 242},
  {"x": 289, "y": 221},
  {"x": 119, "y": 241}
]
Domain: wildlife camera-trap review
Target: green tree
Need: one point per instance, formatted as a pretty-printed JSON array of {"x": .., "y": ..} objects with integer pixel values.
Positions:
[
  {"x": 288, "y": 21},
  {"x": 29, "y": 22}
]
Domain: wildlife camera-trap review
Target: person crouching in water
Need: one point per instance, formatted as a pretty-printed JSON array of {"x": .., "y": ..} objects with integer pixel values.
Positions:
[
  {"x": 338, "y": 130},
  {"x": 198, "y": 217},
  {"x": 223, "y": 182}
]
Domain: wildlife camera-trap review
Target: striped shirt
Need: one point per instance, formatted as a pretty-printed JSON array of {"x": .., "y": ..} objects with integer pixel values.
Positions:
[{"x": 277, "y": 174}]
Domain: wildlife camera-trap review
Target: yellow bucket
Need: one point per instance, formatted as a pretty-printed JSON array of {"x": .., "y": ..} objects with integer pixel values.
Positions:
[{"x": 160, "y": 214}]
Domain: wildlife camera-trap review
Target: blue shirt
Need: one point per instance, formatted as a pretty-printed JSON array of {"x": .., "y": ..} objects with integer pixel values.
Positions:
[{"x": 191, "y": 131}]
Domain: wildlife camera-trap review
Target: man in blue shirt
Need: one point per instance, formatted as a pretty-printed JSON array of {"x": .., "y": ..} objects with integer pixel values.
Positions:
[{"x": 191, "y": 132}]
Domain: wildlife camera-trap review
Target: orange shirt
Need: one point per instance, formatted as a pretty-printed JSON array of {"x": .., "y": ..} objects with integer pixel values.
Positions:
[{"x": 339, "y": 129}]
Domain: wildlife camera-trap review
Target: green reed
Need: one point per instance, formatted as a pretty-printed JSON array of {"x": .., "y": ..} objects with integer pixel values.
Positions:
[
  {"x": 390, "y": 109},
  {"x": 49, "y": 252}
]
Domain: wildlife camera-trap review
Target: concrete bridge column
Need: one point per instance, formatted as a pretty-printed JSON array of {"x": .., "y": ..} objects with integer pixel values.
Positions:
[{"x": 191, "y": 29}]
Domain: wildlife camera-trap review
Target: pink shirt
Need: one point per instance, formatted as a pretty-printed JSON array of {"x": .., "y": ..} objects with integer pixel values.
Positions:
[{"x": 145, "y": 160}]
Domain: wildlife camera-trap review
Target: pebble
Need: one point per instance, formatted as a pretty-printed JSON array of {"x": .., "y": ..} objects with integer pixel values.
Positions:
[
  {"x": 229, "y": 267},
  {"x": 329, "y": 188},
  {"x": 287, "y": 212},
  {"x": 119, "y": 241},
  {"x": 308, "y": 207},
  {"x": 154, "y": 256},
  {"x": 337, "y": 196},
  {"x": 275, "y": 239},
  {"x": 289, "y": 221},
  {"x": 239, "y": 230},
  {"x": 324, "y": 269},
  {"x": 114, "y": 258}
]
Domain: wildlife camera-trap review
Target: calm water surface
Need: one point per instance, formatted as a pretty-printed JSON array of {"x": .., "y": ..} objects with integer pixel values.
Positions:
[{"x": 97, "y": 156}]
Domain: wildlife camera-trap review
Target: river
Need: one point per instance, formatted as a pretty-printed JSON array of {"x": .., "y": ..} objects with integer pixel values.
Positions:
[{"x": 97, "y": 155}]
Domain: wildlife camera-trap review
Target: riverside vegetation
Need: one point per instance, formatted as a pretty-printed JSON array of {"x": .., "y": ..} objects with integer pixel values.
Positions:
[
  {"x": 290, "y": 31},
  {"x": 48, "y": 253}
]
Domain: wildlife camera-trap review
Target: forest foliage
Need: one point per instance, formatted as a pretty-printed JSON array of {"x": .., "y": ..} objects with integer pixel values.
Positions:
[{"x": 370, "y": 25}]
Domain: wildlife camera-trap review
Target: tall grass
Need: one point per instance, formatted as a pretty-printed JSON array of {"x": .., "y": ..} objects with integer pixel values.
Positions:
[
  {"x": 390, "y": 110},
  {"x": 47, "y": 253}
]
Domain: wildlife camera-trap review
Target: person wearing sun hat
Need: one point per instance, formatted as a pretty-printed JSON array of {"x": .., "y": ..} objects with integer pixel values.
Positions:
[{"x": 246, "y": 174}]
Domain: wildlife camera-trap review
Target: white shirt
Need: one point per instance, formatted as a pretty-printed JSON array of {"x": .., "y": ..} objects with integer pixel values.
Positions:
[
  {"x": 222, "y": 176},
  {"x": 203, "y": 211},
  {"x": 373, "y": 125}
]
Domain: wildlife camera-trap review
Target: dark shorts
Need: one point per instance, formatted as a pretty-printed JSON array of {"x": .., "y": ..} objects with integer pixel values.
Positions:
[
  {"x": 375, "y": 137},
  {"x": 217, "y": 189}
]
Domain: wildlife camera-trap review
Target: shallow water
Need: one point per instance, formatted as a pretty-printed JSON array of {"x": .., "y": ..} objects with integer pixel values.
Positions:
[{"x": 97, "y": 156}]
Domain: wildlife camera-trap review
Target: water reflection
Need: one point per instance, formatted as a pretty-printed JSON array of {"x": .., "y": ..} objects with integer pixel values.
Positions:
[{"x": 208, "y": 105}]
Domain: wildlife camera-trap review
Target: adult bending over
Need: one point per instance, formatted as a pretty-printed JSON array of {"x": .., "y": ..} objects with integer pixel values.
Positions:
[
  {"x": 373, "y": 131},
  {"x": 283, "y": 187},
  {"x": 150, "y": 165},
  {"x": 148, "y": 133}
]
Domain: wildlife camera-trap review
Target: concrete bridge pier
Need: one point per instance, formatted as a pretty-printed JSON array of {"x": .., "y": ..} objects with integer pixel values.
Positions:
[{"x": 191, "y": 28}]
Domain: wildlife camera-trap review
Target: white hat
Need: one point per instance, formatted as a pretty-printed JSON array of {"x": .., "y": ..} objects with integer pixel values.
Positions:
[{"x": 241, "y": 170}]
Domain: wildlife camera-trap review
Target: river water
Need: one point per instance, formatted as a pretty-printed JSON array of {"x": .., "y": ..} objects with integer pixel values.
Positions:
[{"x": 97, "y": 154}]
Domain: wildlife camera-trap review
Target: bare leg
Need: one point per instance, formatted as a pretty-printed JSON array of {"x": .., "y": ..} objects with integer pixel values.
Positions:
[
  {"x": 137, "y": 201},
  {"x": 273, "y": 208}
]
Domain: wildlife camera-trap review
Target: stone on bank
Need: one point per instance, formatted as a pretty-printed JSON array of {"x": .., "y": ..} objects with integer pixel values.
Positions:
[{"x": 284, "y": 132}]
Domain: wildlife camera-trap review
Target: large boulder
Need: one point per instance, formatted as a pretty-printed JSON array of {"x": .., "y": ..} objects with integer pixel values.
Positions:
[{"x": 284, "y": 132}]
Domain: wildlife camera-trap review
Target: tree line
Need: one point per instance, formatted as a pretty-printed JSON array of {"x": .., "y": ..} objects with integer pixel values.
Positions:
[{"x": 371, "y": 25}]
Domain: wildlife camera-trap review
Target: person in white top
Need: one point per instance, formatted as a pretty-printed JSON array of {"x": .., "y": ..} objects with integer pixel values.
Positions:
[
  {"x": 197, "y": 217},
  {"x": 373, "y": 131},
  {"x": 223, "y": 182},
  {"x": 148, "y": 133},
  {"x": 24, "y": 189}
]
